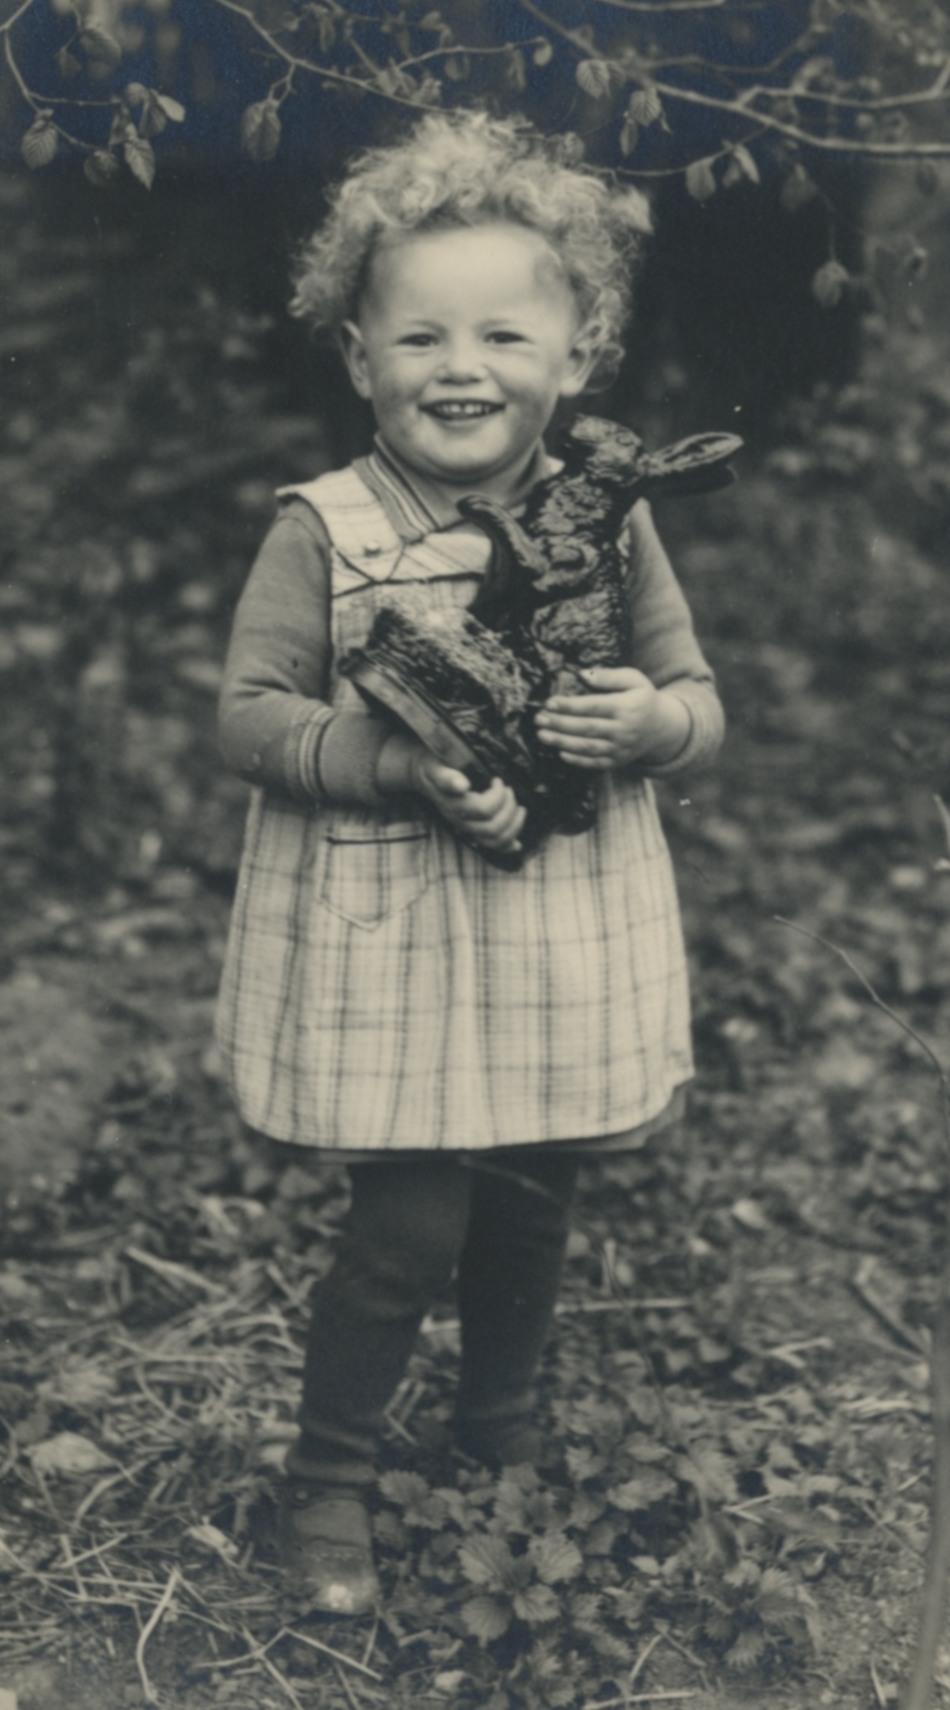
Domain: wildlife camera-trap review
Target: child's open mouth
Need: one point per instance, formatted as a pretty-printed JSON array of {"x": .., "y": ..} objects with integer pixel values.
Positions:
[{"x": 459, "y": 409}]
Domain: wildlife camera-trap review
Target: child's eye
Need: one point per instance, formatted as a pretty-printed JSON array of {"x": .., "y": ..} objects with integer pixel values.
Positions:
[
  {"x": 503, "y": 336},
  {"x": 419, "y": 339}
]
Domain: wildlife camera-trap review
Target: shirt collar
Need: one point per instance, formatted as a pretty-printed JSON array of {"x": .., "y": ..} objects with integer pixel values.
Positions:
[{"x": 416, "y": 507}]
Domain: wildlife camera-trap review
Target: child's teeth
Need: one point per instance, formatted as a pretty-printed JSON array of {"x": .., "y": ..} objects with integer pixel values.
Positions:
[{"x": 463, "y": 409}]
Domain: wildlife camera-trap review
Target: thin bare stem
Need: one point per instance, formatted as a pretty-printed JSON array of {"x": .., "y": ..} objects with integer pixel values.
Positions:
[
  {"x": 147, "y": 1688},
  {"x": 918, "y": 1694},
  {"x": 736, "y": 107},
  {"x": 324, "y": 71},
  {"x": 873, "y": 994},
  {"x": 15, "y": 16},
  {"x": 34, "y": 102},
  {"x": 328, "y": 1651}
]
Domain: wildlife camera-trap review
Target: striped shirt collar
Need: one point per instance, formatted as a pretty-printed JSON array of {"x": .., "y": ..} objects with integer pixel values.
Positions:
[{"x": 416, "y": 508}]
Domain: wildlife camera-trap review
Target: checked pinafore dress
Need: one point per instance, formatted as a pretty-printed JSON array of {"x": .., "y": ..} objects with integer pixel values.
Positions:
[{"x": 386, "y": 988}]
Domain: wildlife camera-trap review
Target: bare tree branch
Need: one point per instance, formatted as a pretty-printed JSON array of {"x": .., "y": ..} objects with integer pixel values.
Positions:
[{"x": 737, "y": 107}]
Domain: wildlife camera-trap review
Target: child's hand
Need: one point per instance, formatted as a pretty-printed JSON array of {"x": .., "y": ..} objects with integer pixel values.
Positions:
[
  {"x": 625, "y": 718},
  {"x": 491, "y": 818}
]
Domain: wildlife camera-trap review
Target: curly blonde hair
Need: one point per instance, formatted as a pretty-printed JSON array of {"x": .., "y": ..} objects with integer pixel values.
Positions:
[{"x": 467, "y": 169}]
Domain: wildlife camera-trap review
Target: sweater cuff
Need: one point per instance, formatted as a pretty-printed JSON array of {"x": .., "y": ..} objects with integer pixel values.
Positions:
[
  {"x": 706, "y": 727},
  {"x": 346, "y": 757}
]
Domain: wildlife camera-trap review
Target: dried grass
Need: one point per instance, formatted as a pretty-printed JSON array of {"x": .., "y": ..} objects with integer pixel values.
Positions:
[{"x": 165, "y": 1554}]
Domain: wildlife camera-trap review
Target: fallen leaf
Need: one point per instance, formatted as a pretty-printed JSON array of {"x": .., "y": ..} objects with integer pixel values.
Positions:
[{"x": 67, "y": 1453}]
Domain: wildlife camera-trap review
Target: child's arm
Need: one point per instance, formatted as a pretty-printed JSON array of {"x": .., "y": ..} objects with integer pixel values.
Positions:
[
  {"x": 276, "y": 726},
  {"x": 662, "y": 713}
]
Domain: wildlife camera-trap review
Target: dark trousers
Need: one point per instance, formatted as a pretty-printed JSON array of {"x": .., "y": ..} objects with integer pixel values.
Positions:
[{"x": 499, "y": 1223}]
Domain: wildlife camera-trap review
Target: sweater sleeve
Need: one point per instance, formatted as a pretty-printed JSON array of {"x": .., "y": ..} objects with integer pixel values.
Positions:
[
  {"x": 276, "y": 727},
  {"x": 664, "y": 645}
]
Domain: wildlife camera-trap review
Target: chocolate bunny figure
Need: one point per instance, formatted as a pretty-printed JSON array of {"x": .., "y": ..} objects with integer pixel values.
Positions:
[{"x": 552, "y": 605}]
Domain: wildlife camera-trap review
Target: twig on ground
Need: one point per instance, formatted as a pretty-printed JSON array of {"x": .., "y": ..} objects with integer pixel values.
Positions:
[
  {"x": 880, "y": 1692},
  {"x": 274, "y": 1671},
  {"x": 640, "y": 1698},
  {"x": 147, "y": 1631},
  {"x": 642, "y": 1659},
  {"x": 13, "y": 1450},
  {"x": 678, "y": 1645},
  {"x": 105, "y": 1484},
  {"x": 348, "y": 1692},
  {"x": 370, "y": 1645},
  {"x": 337, "y": 1656},
  {"x": 70, "y": 1561},
  {"x": 181, "y": 1276},
  {"x": 567, "y": 1309},
  {"x": 253, "y": 1655},
  {"x": 859, "y": 1286}
]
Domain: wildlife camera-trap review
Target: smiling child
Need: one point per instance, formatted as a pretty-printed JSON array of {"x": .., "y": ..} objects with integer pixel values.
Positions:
[{"x": 462, "y": 1036}]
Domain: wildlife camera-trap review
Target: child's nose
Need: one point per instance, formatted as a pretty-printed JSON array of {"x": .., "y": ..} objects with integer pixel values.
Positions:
[{"x": 461, "y": 360}]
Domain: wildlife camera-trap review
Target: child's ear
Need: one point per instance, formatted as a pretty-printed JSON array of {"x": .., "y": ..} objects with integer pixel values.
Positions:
[
  {"x": 354, "y": 355},
  {"x": 580, "y": 362}
]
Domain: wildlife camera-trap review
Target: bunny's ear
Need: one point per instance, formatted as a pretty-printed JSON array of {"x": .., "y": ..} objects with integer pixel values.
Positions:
[
  {"x": 582, "y": 438},
  {"x": 698, "y": 464}
]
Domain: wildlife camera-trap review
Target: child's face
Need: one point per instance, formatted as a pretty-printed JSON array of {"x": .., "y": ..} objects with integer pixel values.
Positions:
[{"x": 465, "y": 340}]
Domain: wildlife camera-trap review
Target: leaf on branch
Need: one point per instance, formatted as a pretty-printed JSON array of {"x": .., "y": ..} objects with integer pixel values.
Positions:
[
  {"x": 570, "y": 148},
  {"x": 543, "y": 53},
  {"x": 746, "y": 163},
  {"x": 701, "y": 180},
  {"x": 829, "y": 283},
  {"x": 260, "y": 130},
  {"x": 629, "y": 136},
  {"x": 101, "y": 168},
  {"x": 157, "y": 109},
  {"x": 819, "y": 70},
  {"x": 387, "y": 79},
  {"x": 100, "y": 48},
  {"x": 486, "y": 1618},
  {"x": 798, "y": 188},
  {"x": 39, "y": 143},
  {"x": 916, "y": 260},
  {"x": 595, "y": 77},
  {"x": 429, "y": 92},
  {"x": 644, "y": 106},
  {"x": 152, "y": 120},
  {"x": 457, "y": 67},
  {"x": 139, "y": 157},
  {"x": 516, "y": 75},
  {"x": 66, "y": 63}
]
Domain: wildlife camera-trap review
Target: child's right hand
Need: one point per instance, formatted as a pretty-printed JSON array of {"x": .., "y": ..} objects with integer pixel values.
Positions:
[{"x": 492, "y": 817}]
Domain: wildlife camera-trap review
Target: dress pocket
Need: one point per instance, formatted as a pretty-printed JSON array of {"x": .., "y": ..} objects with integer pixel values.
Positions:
[{"x": 372, "y": 870}]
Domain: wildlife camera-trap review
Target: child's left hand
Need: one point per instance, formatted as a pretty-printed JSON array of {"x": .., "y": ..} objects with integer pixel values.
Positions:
[{"x": 625, "y": 718}]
